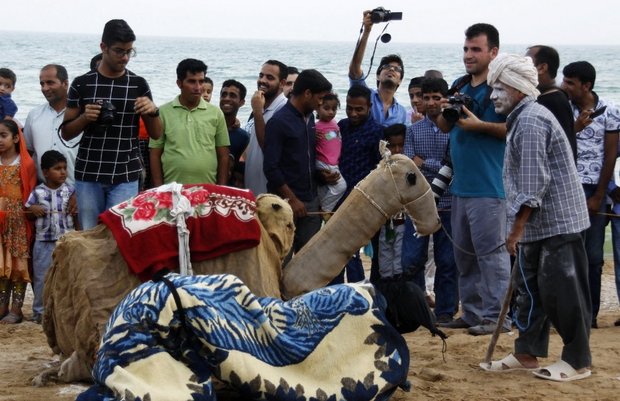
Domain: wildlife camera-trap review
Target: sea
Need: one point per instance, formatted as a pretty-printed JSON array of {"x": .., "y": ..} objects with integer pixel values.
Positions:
[{"x": 157, "y": 57}]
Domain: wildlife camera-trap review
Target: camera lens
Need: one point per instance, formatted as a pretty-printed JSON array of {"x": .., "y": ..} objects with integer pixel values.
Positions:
[{"x": 451, "y": 114}]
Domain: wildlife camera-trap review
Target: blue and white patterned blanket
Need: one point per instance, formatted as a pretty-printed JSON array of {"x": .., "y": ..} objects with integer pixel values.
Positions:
[{"x": 331, "y": 344}]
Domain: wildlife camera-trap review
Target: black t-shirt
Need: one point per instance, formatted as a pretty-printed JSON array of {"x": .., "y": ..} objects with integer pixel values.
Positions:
[
  {"x": 109, "y": 154},
  {"x": 557, "y": 102}
]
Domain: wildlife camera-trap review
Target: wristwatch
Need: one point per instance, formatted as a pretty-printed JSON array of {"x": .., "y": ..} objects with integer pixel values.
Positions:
[{"x": 155, "y": 113}]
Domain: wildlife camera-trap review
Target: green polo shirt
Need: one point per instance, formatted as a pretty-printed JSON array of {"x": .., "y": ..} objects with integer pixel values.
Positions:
[{"x": 189, "y": 140}]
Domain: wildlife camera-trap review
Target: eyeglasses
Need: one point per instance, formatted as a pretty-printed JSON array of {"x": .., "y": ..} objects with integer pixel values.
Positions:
[
  {"x": 396, "y": 68},
  {"x": 118, "y": 52}
]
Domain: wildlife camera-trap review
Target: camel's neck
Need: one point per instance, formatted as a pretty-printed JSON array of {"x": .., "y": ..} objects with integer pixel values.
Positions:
[{"x": 323, "y": 257}]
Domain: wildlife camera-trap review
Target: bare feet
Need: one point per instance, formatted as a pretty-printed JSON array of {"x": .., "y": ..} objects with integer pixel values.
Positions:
[{"x": 528, "y": 361}]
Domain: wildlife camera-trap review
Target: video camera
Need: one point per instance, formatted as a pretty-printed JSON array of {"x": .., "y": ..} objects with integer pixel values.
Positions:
[
  {"x": 455, "y": 110},
  {"x": 380, "y": 14}
]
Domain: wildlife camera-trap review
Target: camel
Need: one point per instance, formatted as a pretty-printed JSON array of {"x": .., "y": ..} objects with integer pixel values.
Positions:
[{"x": 89, "y": 277}]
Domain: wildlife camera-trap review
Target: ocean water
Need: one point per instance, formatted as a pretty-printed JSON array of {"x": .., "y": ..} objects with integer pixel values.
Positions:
[{"x": 26, "y": 53}]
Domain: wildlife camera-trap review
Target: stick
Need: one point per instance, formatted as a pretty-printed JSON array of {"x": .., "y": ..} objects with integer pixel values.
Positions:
[{"x": 502, "y": 315}]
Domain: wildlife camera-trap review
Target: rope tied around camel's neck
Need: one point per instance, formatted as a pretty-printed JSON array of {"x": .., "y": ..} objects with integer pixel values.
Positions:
[{"x": 181, "y": 209}]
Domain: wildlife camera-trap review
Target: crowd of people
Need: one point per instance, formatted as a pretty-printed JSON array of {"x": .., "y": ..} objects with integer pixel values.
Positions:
[{"x": 521, "y": 167}]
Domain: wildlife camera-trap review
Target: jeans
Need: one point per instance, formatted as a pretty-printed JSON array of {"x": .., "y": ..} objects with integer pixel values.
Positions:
[
  {"x": 94, "y": 198},
  {"x": 615, "y": 237},
  {"x": 594, "y": 238},
  {"x": 479, "y": 232},
  {"x": 415, "y": 255},
  {"x": 41, "y": 262}
]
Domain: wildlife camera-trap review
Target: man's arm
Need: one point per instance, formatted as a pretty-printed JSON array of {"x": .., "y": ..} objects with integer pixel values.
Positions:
[
  {"x": 145, "y": 107},
  {"x": 355, "y": 67},
  {"x": 157, "y": 175},
  {"x": 258, "y": 107},
  {"x": 610, "y": 149},
  {"x": 222, "y": 153},
  {"x": 518, "y": 228},
  {"x": 299, "y": 209},
  {"x": 473, "y": 123},
  {"x": 74, "y": 122}
]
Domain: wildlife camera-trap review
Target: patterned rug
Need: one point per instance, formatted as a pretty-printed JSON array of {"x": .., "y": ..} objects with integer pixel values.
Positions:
[
  {"x": 222, "y": 220},
  {"x": 328, "y": 345}
]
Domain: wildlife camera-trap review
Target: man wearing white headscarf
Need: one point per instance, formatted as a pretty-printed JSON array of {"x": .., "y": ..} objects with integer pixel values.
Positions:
[{"x": 546, "y": 213}]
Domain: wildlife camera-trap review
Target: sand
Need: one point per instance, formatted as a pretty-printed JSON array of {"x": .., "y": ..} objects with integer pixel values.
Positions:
[{"x": 452, "y": 376}]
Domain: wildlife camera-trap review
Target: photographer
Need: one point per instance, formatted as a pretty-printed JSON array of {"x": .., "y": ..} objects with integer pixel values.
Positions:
[
  {"x": 385, "y": 109},
  {"x": 477, "y": 143},
  {"x": 107, "y": 104}
]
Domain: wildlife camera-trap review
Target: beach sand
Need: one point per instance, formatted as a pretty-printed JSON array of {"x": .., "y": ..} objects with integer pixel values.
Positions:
[{"x": 24, "y": 353}]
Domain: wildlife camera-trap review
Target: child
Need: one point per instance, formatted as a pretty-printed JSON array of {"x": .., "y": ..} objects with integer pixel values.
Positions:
[
  {"x": 392, "y": 232},
  {"x": 207, "y": 89},
  {"x": 328, "y": 146},
  {"x": 7, "y": 85},
  {"x": 49, "y": 203},
  {"x": 18, "y": 175}
]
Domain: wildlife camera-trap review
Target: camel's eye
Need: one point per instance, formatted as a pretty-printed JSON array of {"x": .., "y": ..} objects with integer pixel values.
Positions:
[
  {"x": 276, "y": 206},
  {"x": 411, "y": 178}
]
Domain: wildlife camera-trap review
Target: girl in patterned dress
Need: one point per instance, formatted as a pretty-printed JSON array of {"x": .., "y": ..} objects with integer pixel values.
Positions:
[{"x": 17, "y": 179}]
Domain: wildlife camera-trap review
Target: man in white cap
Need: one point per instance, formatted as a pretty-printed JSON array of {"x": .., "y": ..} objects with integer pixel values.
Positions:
[{"x": 546, "y": 212}]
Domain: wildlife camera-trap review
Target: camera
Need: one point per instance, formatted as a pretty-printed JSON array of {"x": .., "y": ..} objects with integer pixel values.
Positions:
[
  {"x": 107, "y": 114},
  {"x": 380, "y": 14},
  {"x": 453, "y": 112}
]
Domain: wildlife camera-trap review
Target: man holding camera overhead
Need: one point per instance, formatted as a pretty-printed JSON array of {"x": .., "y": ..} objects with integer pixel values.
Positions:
[
  {"x": 385, "y": 110},
  {"x": 477, "y": 143},
  {"x": 107, "y": 104}
]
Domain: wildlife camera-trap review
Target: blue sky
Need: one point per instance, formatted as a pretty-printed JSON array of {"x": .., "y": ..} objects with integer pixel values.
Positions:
[{"x": 551, "y": 22}]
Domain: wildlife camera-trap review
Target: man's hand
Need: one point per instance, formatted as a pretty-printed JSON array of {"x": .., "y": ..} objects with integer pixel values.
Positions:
[
  {"x": 37, "y": 210},
  {"x": 91, "y": 112},
  {"x": 583, "y": 120},
  {"x": 367, "y": 21},
  {"x": 513, "y": 238},
  {"x": 471, "y": 123},
  {"x": 594, "y": 203},
  {"x": 258, "y": 102},
  {"x": 418, "y": 161},
  {"x": 415, "y": 116},
  {"x": 299, "y": 209},
  {"x": 328, "y": 177},
  {"x": 144, "y": 106}
]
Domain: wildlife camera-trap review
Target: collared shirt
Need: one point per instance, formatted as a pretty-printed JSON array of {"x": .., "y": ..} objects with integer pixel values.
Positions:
[
  {"x": 254, "y": 177},
  {"x": 41, "y": 134},
  {"x": 424, "y": 139},
  {"x": 539, "y": 172},
  {"x": 56, "y": 221},
  {"x": 290, "y": 152},
  {"x": 109, "y": 155},
  {"x": 360, "y": 151},
  {"x": 189, "y": 140},
  {"x": 396, "y": 113},
  {"x": 591, "y": 141}
]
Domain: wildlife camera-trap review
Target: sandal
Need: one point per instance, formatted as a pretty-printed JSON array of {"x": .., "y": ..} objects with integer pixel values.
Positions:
[
  {"x": 561, "y": 371},
  {"x": 12, "y": 318}
]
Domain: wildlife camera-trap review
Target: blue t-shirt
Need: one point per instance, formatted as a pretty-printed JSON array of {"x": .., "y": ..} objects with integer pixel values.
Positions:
[
  {"x": 7, "y": 107},
  {"x": 478, "y": 158},
  {"x": 396, "y": 113}
]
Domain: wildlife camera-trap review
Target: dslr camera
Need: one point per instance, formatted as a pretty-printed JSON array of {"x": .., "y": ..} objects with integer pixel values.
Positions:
[
  {"x": 453, "y": 112},
  {"x": 380, "y": 14},
  {"x": 107, "y": 114}
]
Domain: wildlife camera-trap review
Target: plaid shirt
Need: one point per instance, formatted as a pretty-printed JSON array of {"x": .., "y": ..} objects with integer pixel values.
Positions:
[
  {"x": 109, "y": 155},
  {"x": 425, "y": 140},
  {"x": 360, "y": 151},
  {"x": 539, "y": 172},
  {"x": 55, "y": 201}
]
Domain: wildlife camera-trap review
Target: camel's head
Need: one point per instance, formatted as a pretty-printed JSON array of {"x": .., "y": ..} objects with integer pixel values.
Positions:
[
  {"x": 396, "y": 184},
  {"x": 276, "y": 216}
]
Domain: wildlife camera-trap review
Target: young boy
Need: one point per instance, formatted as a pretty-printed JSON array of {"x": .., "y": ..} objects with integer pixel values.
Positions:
[
  {"x": 49, "y": 203},
  {"x": 392, "y": 232},
  {"x": 8, "y": 108},
  {"x": 207, "y": 89}
]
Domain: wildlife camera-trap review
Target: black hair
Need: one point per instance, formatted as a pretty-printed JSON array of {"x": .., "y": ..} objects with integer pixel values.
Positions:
[
  {"x": 12, "y": 126},
  {"x": 311, "y": 80},
  {"x": 433, "y": 74},
  {"x": 332, "y": 96},
  {"x": 208, "y": 80},
  {"x": 291, "y": 70},
  {"x": 484, "y": 29},
  {"x": 415, "y": 82},
  {"x": 242, "y": 89},
  {"x": 582, "y": 70},
  {"x": 7, "y": 73},
  {"x": 394, "y": 130},
  {"x": 190, "y": 65},
  {"x": 430, "y": 85},
  {"x": 51, "y": 158},
  {"x": 61, "y": 71},
  {"x": 359, "y": 91},
  {"x": 546, "y": 55},
  {"x": 95, "y": 60},
  {"x": 392, "y": 58},
  {"x": 117, "y": 30},
  {"x": 283, "y": 73}
]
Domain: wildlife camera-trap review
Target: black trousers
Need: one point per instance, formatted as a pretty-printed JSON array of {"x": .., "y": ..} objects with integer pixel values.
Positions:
[{"x": 552, "y": 288}]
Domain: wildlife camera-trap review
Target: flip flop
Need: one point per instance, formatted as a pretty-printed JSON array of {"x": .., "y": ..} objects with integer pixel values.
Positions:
[
  {"x": 560, "y": 372},
  {"x": 508, "y": 364}
]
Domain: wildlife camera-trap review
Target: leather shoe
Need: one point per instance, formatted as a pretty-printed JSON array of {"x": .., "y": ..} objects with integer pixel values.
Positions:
[
  {"x": 455, "y": 324},
  {"x": 484, "y": 328},
  {"x": 443, "y": 319}
]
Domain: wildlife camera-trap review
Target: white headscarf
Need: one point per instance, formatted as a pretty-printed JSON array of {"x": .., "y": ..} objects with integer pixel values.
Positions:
[{"x": 515, "y": 71}]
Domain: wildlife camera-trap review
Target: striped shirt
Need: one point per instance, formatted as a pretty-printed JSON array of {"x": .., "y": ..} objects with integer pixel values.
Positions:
[
  {"x": 56, "y": 221},
  {"x": 539, "y": 172},
  {"x": 109, "y": 155}
]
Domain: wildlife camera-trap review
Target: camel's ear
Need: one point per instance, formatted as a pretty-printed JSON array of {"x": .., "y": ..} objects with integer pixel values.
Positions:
[
  {"x": 276, "y": 206},
  {"x": 411, "y": 178}
]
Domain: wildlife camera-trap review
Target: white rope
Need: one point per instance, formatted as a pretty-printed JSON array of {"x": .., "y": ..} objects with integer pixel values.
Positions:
[{"x": 181, "y": 209}]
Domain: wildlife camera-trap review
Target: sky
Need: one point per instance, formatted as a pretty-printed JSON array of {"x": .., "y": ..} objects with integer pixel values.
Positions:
[{"x": 552, "y": 22}]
